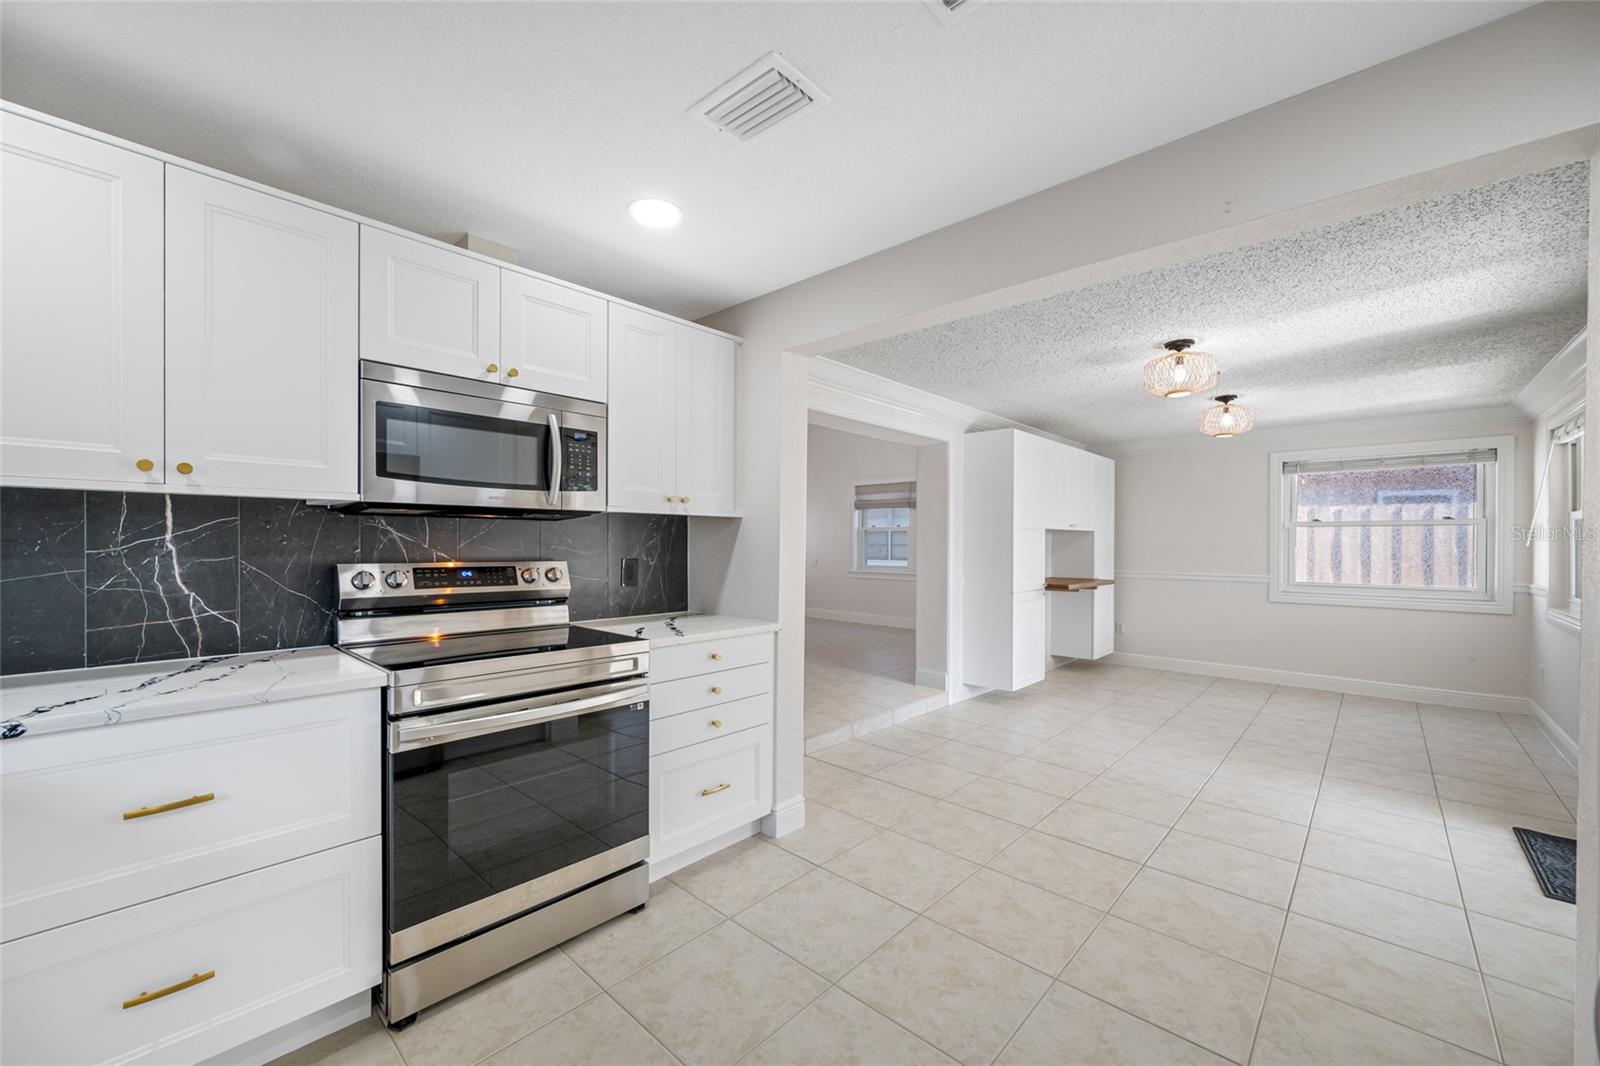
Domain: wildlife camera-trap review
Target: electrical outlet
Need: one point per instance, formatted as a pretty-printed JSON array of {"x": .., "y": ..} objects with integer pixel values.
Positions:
[
  {"x": 1121, "y": 629},
  {"x": 630, "y": 571}
]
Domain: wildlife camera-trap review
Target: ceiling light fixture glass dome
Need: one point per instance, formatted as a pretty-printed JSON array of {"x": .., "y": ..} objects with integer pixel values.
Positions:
[
  {"x": 1180, "y": 372},
  {"x": 657, "y": 214},
  {"x": 1227, "y": 419}
]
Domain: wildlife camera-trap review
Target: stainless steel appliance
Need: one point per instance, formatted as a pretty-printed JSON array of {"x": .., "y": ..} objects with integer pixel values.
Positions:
[
  {"x": 516, "y": 767},
  {"x": 434, "y": 443}
]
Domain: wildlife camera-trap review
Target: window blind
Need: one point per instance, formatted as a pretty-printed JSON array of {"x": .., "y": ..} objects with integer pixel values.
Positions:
[
  {"x": 886, "y": 494},
  {"x": 1389, "y": 462}
]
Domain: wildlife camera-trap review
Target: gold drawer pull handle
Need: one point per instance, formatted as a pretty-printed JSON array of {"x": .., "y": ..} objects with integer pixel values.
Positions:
[
  {"x": 716, "y": 656},
  {"x": 716, "y": 690},
  {"x": 716, "y": 723},
  {"x": 163, "y": 808},
  {"x": 149, "y": 997},
  {"x": 714, "y": 791}
]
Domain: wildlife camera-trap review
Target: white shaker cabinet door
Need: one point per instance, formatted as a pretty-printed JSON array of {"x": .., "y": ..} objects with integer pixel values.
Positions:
[
  {"x": 553, "y": 338},
  {"x": 707, "y": 403},
  {"x": 261, "y": 343},
  {"x": 80, "y": 337},
  {"x": 429, "y": 308},
  {"x": 642, "y": 413}
]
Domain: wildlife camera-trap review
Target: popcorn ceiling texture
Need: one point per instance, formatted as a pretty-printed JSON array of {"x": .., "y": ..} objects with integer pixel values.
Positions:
[{"x": 1446, "y": 303}]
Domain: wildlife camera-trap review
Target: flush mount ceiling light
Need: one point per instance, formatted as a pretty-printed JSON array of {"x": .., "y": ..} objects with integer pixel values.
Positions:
[
  {"x": 1180, "y": 372},
  {"x": 1227, "y": 419},
  {"x": 657, "y": 214}
]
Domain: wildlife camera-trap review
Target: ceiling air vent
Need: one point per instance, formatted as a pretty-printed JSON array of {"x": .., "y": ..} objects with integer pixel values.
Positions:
[
  {"x": 948, "y": 11},
  {"x": 764, "y": 97}
]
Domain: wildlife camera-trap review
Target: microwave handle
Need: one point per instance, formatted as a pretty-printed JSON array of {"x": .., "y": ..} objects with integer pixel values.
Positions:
[{"x": 555, "y": 460}]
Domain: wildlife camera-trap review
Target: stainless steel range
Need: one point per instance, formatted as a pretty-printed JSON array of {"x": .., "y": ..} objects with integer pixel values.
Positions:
[{"x": 516, "y": 756}]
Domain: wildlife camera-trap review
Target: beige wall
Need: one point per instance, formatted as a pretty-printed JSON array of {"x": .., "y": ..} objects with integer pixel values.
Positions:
[{"x": 835, "y": 462}]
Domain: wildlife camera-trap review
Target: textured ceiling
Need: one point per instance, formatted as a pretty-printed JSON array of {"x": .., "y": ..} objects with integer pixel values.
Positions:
[
  {"x": 1451, "y": 302},
  {"x": 534, "y": 124}
]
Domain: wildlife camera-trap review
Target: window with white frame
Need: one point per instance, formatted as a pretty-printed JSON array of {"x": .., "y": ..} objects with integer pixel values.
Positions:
[
  {"x": 1574, "y": 513},
  {"x": 1415, "y": 526},
  {"x": 883, "y": 526}
]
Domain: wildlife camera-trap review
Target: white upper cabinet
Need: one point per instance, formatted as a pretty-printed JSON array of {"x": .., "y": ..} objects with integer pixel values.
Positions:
[
  {"x": 1071, "y": 479},
  {"x": 642, "y": 413},
  {"x": 707, "y": 402},
  {"x": 261, "y": 375},
  {"x": 552, "y": 338},
  {"x": 80, "y": 337},
  {"x": 428, "y": 308}
]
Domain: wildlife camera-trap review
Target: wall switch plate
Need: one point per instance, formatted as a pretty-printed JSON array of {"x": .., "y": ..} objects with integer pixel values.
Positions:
[
  {"x": 1121, "y": 629},
  {"x": 630, "y": 571}
]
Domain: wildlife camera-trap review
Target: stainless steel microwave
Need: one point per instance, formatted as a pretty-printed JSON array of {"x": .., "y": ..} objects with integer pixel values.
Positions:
[{"x": 436, "y": 443}]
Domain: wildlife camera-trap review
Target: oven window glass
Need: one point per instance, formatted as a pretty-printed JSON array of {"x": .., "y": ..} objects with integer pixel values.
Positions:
[
  {"x": 474, "y": 817},
  {"x": 450, "y": 448}
]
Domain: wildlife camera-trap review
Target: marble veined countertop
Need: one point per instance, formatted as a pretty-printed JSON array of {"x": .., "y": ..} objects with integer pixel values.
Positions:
[
  {"x": 34, "y": 704},
  {"x": 683, "y": 628}
]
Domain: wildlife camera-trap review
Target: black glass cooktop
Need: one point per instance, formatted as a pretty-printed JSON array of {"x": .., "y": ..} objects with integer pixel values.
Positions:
[{"x": 421, "y": 652}]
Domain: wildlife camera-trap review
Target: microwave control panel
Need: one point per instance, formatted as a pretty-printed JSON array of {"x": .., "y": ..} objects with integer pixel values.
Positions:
[{"x": 580, "y": 460}]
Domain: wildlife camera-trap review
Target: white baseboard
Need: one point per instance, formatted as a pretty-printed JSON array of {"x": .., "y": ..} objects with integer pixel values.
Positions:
[
  {"x": 933, "y": 679},
  {"x": 1479, "y": 701},
  {"x": 1558, "y": 736},
  {"x": 660, "y": 868},
  {"x": 893, "y": 621},
  {"x": 296, "y": 1035},
  {"x": 785, "y": 818}
]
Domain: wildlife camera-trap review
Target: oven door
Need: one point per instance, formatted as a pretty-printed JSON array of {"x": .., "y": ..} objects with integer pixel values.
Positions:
[
  {"x": 490, "y": 449},
  {"x": 493, "y": 810}
]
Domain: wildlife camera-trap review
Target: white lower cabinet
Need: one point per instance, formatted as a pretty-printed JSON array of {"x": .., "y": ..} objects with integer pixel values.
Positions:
[
  {"x": 193, "y": 975},
  {"x": 702, "y": 791}
]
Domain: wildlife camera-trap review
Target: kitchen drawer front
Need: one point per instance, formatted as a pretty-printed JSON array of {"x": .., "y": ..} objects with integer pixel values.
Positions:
[
  {"x": 708, "y": 723},
  {"x": 670, "y": 662},
  {"x": 701, "y": 791},
  {"x": 286, "y": 779},
  {"x": 280, "y": 943},
  {"x": 668, "y": 698}
]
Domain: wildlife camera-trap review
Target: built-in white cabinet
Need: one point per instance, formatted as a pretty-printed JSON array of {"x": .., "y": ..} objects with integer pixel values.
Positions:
[
  {"x": 671, "y": 417},
  {"x": 261, "y": 365},
  {"x": 80, "y": 337},
  {"x": 429, "y": 308},
  {"x": 552, "y": 338}
]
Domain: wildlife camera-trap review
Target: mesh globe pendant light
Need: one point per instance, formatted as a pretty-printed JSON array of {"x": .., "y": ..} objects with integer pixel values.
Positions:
[
  {"x": 1227, "y": 419},
  {"x": 1180, "y": 372}
]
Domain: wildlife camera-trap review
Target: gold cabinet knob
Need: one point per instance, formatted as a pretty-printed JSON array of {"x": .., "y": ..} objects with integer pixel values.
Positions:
[
  {"x": 716, "y": 723},
  {"x": 185, "y": 468},
  {"x": 716, "y": 690},
  {"x": 683, "y": 499},
  {"x": 511, "y": 372},
  {"x": 145, "y": 465},
  {"x": 492, "y": 368},
  {"x": 716, "y": 656},
  {"x": 672, "y": 499}
]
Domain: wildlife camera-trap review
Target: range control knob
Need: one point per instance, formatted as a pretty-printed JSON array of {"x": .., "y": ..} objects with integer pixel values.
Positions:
[
  {"x": 530, "y": 574},
  {"x": 395, "y": 579},
  {"x": 553, "y": 574},
  {"x": 363, "y": 580}
]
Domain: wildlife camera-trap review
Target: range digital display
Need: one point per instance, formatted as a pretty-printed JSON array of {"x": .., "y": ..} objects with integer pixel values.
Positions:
[{"x": 444, "y": 577}]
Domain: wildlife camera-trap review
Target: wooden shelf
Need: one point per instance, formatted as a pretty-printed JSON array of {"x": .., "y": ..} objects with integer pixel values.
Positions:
[{"x": 1075, "y": 584}]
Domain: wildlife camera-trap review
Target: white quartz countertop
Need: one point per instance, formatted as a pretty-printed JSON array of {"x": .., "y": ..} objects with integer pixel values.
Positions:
[
  {"x": 33, "y": 704},
  {"x": 684, "y": 628}
]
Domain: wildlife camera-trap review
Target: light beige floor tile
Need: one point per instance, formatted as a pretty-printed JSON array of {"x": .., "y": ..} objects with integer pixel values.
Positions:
[
  {"x": 1476, "y": 819},
  {"x": 943, "y": 725},
  {"x": 1254, "y": 831},
  {"x": 718, "y": 996},
  {"x": 1517, "y": 899},
  {"x": 1495, "y": 850},
  {"x": 899, "y": 738},
  {"x": 1436, "y": 997},
  {"x": 907, "y": 871},
  {"x": 1524, "y": 776},
  {"x": 365, "y": 1043},
  {"x": 1380, "y": 827},
  {"x": 1535, "y": 1029},
  {"x": 1137, "y": 801},
  {"x": 1433, "y": 928},
  {"x": 858, "y": 756},
  {"x": 1420, "y": 875},
  {"x": 1384, "y": 752},
  {"x": 1533, "y": 959},
  {"x": 827, "y": 833},
  {"x": 476, "y": 1023},
  {"x": 1106, "y": 830},
  {"x": 1091, "y": 877},
  {"x": 1069, "y": 1027},
  {"x": 964, "y": 756},
  {"x": 1304, "y": 782},
  {"x": 822, "y": 777},
  {"x": 928, "y": 778},
  {"x": 1259, "y": 799},
  {"x": 971, "y": 834},
  {"x": 1345, "y": 769},
  {"x": 838, "y": 1030},
  {"x": 1151, "y": 772},
  {"x": 612, "y": 951},
  {"x": 1041, "y": 776},
  {"x": 737, "y": 876},
  {"x": 599, "y": 1031},
  {"x": 879, "y": 802},
  {"x": 1024, "y": 806},
  {"x": 1030, "y": 925},
  {"x": 1516, "y": 800},
  {"x": 1071, "y": 756},
  {"x": 1232, "y": 926},
  {"x": 825, "y": 922},
  {"x": 960, "y": 996},
  {"x": 1285, "y": 758},
  {"x": 1382, "y": 798},
  {"x": 1302, "y": 1028},
  {"x": 1264, "y": 878},
  {"x": 1201, "y": 997},
  {"x": 1002, "y": 740}
]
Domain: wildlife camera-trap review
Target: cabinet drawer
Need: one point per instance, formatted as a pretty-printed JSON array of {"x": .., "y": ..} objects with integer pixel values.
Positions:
[
  {"x": 667, "y": 663},
  {"x": 279, "y": 943},
  {"x": 668, "y": 698},
  {"x": 708, "y": 723},
  {"x": 706, "y": 789},
  {"x": 285, "y": 779}
]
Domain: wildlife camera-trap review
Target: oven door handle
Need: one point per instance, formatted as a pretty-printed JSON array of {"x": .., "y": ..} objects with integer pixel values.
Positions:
[
  {"x": 555, "y": 460},
  {"x": 410, "y": 733}
]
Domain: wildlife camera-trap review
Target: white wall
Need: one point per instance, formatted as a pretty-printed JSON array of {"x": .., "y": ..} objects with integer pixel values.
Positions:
[{"x": 835, "y": 462}]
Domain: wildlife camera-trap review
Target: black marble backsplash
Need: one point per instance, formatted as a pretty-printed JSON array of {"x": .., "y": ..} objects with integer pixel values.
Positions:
[{"x": 95, "y": 578}]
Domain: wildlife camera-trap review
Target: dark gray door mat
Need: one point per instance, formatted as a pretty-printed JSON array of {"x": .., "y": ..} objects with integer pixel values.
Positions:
[{"x": 1554, "y": 860}]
